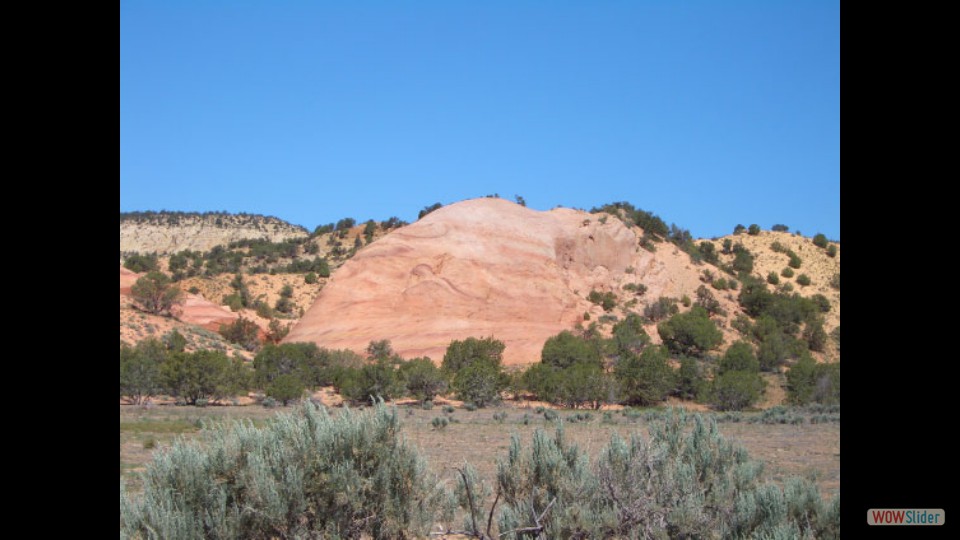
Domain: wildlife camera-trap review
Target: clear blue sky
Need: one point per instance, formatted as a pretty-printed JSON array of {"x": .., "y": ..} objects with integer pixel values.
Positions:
[{"x": 706, "y": 113}]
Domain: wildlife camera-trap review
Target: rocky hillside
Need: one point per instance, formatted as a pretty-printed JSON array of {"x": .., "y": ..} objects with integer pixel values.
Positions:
[
  {"x": 169, "y": 232},
  {"x": 489, "y": 267}
]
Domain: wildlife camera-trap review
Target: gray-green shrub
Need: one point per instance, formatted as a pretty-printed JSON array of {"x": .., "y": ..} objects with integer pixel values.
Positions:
[
  {"x": 306, "y": 474},
  {"x": 681, "y": 483}
]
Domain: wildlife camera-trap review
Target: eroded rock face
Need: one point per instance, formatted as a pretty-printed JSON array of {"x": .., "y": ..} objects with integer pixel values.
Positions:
[
  {"x": 194, "y": 309},
  {"x": 483, "y": 267}
]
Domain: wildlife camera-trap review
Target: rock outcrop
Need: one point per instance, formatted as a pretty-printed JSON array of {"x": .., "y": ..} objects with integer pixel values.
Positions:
[{"x": 483, "y": 267}]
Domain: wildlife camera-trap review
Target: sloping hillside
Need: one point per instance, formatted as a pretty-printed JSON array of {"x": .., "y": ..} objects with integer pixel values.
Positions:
[
  {"x": 489, "y": 267},
  {"x": 169, "y": 232}
]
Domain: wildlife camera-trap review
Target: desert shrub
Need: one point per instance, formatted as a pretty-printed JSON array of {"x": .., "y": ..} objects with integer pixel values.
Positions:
[
  {"x": 815, "y": 335},
  {"x": 422, "y": 378},
  {"x": 739, "y": 357},
  {"x": 831, "y": 250},
  {"x": 719, "y": 284},
  {"x": 286, "y": 388},
  {"x": 709, "y": 252},
  {"x": 742, "y": 259},
  {"x": 736, "y": 390},
  {"x": 469, "y": 407},
  {"x": 690, "y": 383},
  {"x": 475, "y": 368},
  {"x": 726, "y": 246},
  {"x": 685, "y": 300},
  {"x": 287, "y": 480},
  {"x": 739, "y": 228},
  {"x": 369, "y": 228},
  {"x": 638, "y": 289},
  {"x": 242, "y": 332},
  {"x": 835, "y": 281},
  {"x": 269, "y": 403},
  {"x": 449, "y": 409},
  {"x": 681, "y": 483},
  {"x": 439, "y": 423},
  {"x": 310, "y": 278},
  {"x": 204, "y": 374},
  {"x": 803, "y": 280},
  {"x": 773, "y": 279},
  {"x": 550, "y": 415},
  {"x": 565, "y": 349},
  {"x": 155, "y": 293},
  {"x": 578, "y": 384},
  {"x": 142, "y": 263},
  {"x": 140, "y": 367},
  {"x": 427, "y": 405},
  {"x": 753, "y": 230},
  {"x": 787, "y": 272},
  {"x": 644, "y": 379},
  {"x": 795, "y": 260},
  {"x": 500, "y": 417},
  {"x": 691, "y": 333},
  {"x": 376, "y": 379},
  {"x": 661, "y": 309},
  {"x": 479, "y": 383},
  {"x": 707, "y": 301},
  {"x": 629, "y": 335},
  {"x": 427, "y": 209},
  {"x": 809, "y": 382},
  {"x": 284, "y": 305},
  {"x": 820, "y": 240},
  {"x": 606, "y": 300},
  {"x": 779, "y": 227}
]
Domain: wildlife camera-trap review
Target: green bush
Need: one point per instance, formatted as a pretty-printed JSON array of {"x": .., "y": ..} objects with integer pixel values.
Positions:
[
  {"x": 736, "y": 390},
  {"x": 310, "y": 278},
  {"x": 708, "y": 302},
  {"x": 645, "y": 379},
  {"x": 753, "y": 230},
  {"x": 795, "y": 260},
  {"x": 141, "y": 263},
  {"x": 289, "y": 479},
  {"x": 831, "y": 250},
  {"x": 803, "y": 280},
  {"x": 422, "y": 378},
  {"x": 691, "y": 333},
  {"x": 566, "y": 349},
  {"x": 439, "y": 423},
  {"x": 820, "y": 240},
  {"x": 739, "y": 229},
  {"x": 835, "y": 281},
  {"x": 207, "y": 375},
  {"x": 140, "y": 370},
  {"x": 155, "y": 293},
  {"x": 779, "y": 227},
  {"x": 606, "y": 300},
  {"x": 742, "y": 259},
  {"x": 286, "y": 388},
  {"x": 681, "y": 483},
  {"x": 242, "y": 332},
  {"x": 661, "y": 309},
  {"x": 773, "y": 279},
  {"x": 476, "y": 369},
  {"x": 787, "y": 272}
]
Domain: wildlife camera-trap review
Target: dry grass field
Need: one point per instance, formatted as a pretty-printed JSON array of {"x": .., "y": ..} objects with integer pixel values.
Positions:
[{"x": 810, "y": 450}]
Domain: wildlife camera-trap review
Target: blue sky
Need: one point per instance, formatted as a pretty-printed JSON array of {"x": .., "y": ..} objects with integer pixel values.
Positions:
[{"x": 706, "y": 113}]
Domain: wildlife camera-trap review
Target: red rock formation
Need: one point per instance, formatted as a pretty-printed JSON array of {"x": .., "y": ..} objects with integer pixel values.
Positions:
[{"x": 483, "y": 267}]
